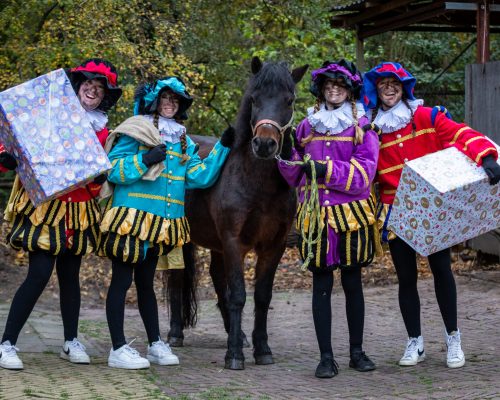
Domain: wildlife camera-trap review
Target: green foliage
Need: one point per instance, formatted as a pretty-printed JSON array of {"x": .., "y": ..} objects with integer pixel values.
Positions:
[
  {"x": 210, "y": 44},
  {"x": 141, "y": 38}
]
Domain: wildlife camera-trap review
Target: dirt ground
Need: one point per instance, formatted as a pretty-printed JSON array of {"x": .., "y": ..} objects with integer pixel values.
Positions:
[{"x": 95, "y": 274}]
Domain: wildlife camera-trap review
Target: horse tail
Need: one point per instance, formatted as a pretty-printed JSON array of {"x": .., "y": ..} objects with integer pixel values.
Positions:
[{"x": 189, "y": 287}]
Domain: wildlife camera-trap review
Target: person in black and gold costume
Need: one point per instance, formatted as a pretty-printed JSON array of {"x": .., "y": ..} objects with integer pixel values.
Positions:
[
  {"x": 60, "y": 231},
  {"x": 154, "y": 161}
]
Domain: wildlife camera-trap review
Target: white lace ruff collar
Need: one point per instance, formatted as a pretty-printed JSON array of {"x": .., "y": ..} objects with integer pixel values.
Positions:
[
  {"x": 332, "y": 122},
  {"x": 170, "y": 131},
  {"x": 98, "y": 120},
  {"x": 396, "y": 117}
]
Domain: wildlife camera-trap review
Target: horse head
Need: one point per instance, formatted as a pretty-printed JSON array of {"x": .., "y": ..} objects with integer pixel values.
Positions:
[{"x": 269, "y": 101}]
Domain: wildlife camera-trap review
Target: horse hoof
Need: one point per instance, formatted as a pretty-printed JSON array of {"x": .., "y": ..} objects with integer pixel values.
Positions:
[
  {"x": 235, "y": 364},
  {"x": 175, "y": 342},
  {"x": 264, "y": 359}
]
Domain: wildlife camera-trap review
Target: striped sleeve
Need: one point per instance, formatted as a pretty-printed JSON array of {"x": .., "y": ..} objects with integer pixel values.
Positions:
[{"x": 470, "y": 142}]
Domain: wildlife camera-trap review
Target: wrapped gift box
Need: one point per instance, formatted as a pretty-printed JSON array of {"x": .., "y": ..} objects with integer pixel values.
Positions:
[
  {"x": 443, "y": 198},
  {"x": 43, "y": 124}
]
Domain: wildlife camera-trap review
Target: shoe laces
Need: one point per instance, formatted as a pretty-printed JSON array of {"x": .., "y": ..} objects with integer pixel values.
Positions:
[
  {"x": 332, "y": 362},
  {"x": 411, "y": 347},
  {"x": 133, "y": 352},
  {"x": 162, "y": 347},
  {"x": 454, "y": 345},
  {"x": 75, "y": 344},
  {"x": 10, "y": 349}
]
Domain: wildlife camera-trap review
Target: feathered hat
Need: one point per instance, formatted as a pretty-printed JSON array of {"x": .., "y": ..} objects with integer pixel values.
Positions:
[
  {"x": 342, "y": 69},
  {"x": 97, "y": 68},
  {"x": 147, "y": 95},
  {"x": 384, "y": 70}
]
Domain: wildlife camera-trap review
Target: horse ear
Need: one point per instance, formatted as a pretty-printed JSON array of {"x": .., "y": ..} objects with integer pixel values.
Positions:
[
  {"x": 256, "y": 65},
  {"x": 299, "y": 72}
]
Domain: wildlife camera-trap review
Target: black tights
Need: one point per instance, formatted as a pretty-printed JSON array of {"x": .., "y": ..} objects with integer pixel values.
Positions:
[
  {"x": 143, "y": 273},
  {"x": 322, "y": 309},
  {"x": 405, "y": 262},
  {"x": 41, "y": 265}
]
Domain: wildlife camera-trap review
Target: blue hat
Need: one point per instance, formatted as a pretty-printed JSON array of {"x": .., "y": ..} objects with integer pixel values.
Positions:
[
  {"x": 146, "y": 96},
  {"x": 384, "y": 70}
]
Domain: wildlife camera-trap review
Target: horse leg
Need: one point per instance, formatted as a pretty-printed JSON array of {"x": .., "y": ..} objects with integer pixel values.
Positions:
[
  {"x": 220, "y": 284},
  {"x": 233, "y": 265},
  {"x": 265, "y": 270},
  {"x": 175, "y": 335}
]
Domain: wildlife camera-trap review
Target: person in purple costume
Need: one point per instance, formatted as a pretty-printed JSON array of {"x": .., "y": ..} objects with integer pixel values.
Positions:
[{"x": 338, "y": 140}]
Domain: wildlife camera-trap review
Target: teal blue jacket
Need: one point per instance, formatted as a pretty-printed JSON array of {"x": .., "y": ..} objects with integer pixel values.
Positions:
[{"x": 165, "y": 195}]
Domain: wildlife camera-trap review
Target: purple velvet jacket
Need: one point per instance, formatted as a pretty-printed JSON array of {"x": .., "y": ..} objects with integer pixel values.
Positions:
[{"x": 350, "y": 168}]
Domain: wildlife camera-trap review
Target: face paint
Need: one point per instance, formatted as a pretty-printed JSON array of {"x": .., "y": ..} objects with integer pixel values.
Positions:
[
  {"x": 168, "y": 105},
  {"x": 390, "y": 92},
  {"x": 91, "y": 93},
  {"x": 335, "y": 92}
]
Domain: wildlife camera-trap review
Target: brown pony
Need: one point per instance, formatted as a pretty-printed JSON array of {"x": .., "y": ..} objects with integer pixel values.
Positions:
[{"x": 250, "y": 207}]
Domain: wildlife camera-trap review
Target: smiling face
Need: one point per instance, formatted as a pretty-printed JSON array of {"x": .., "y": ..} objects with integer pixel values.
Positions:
[
  {"x": 390, "y": 92},
  {"x": 168, "y": 104},
  {"x": 335, "y": 92},
  {"x": 91, "y": 93}
]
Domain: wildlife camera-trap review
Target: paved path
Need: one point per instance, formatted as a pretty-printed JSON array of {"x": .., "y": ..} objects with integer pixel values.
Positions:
[{"x": 201, "y": 374}]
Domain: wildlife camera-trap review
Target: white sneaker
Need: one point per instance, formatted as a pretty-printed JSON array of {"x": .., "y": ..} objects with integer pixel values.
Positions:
[
  {"x": 74, "y": 352},
  {"x": 455, "y": 357},
  {"x": 160, "y": 353},
  {"x": 127, "y": 357},
  {"x": 414, "y": 352},
  {"x": 8, "y": 356}
]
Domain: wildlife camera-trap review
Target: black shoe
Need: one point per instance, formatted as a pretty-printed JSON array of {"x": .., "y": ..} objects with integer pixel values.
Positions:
[
  {"x": 361, "y": 362},
  {"x": 327, "y": 368}
]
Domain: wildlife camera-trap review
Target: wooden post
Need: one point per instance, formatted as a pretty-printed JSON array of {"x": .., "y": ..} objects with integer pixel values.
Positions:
[
  {"x": 483, "y": 31},
  {"x": 360, "y": 52}
]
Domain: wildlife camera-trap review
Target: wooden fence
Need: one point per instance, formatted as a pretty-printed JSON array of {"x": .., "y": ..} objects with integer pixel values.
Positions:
[{"x": 482, "y": 101}]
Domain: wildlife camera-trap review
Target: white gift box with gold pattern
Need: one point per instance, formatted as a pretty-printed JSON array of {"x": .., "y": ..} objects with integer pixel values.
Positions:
[{"x": 443, "y": 199}]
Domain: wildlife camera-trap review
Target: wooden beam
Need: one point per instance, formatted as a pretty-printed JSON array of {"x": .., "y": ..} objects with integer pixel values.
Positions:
[
  {"x": 360, "y": 53},
  {"x": 374, "y": 11},
  {"x": 483, "y": 31},
  {"x": 420, "y": 14},
  {"x": 428, "y": 28}
]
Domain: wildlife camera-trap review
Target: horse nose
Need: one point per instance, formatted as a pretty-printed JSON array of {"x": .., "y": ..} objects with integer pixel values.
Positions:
[{"x": 264, "y": 147}]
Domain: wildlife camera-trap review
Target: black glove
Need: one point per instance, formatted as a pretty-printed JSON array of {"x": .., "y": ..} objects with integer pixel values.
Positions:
[
  {"x": 8, "y": 161},
  {"x": 100, "y": 179},
  {"x": 320, "y": 169},
  {"x": 227, "y": 138},
  {"x": 492, "y": 169},
  {"x": 155, "y": 155}
]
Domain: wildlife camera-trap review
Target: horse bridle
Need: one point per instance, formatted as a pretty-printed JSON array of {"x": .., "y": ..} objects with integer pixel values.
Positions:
[{"x": 281, "y": 129}]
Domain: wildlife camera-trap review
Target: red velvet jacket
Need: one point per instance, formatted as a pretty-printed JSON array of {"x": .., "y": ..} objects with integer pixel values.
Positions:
[
  {"x": 400, "y": 146},
  {"x": 85, "y": 193}
]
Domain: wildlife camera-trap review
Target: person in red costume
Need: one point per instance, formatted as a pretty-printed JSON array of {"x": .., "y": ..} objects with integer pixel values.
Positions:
[
  {"x": 408, "y": 131},
  {"x": 60, "y": 231}
]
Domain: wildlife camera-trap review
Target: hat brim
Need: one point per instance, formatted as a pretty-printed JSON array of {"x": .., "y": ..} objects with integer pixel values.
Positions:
[
  {"x": 112, "y": 95},
  {"x": 185, "y": 101},
  {"x": 370, "y": 93},
  {"x": 316, "y": 84}
]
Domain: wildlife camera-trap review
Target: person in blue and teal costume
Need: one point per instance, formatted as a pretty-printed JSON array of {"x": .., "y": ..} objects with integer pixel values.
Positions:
[{"x": 154, "y": 162}]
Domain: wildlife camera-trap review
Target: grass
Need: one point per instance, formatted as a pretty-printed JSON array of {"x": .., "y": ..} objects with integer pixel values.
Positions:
[{"x": 92, "y": 329}]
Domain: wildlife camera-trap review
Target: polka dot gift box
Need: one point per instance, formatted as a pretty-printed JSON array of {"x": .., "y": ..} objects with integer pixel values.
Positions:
[
  {"x": 43, "y": 124},
  {"x": 443, "y": 199}
]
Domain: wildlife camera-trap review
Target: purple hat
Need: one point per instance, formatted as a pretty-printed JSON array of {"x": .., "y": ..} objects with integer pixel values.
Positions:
[{"x": 332, "y": 70}]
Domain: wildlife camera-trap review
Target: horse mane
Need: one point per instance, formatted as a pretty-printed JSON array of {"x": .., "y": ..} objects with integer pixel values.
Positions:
[{"x": 272, "y": 77}]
